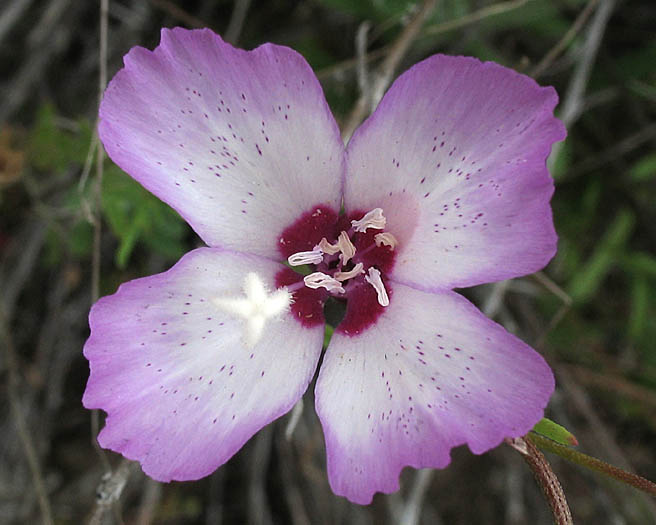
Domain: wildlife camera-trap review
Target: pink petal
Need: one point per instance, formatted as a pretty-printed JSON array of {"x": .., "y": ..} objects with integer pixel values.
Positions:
[
  {"x": 455, "y": 155},
  {"x": 181, "y": 390},
  {"x": 237, "y": 142},
  {"x": 434, "y": 374}
]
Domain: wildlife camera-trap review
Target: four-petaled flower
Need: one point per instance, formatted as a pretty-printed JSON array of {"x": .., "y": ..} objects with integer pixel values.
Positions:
[{"x": 444, "y": 186}]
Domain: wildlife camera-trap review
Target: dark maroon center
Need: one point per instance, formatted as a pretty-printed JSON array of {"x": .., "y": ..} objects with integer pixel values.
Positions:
[{"x": 362, "y": 306}]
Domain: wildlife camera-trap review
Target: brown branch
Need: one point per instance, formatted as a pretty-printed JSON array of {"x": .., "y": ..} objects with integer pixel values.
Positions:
[
  {"x": 592, "y": 463},
  {"x": 602, "y": 437},
  {"x": 546, "y": 478}
]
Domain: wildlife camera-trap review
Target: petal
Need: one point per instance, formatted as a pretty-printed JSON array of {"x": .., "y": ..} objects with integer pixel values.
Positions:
[
  {"x": 455, "y": 155},
  {"x": 237, "y": 142},
  {"x": 182, "y": 391},
  {"x": 434, "y": 374}
]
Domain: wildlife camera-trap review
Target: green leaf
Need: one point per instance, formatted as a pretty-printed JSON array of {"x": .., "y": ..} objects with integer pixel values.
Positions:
[
  {"x": 563, "y": 161},
  {"x": 586, "y": 281},
  {"x": 81, "y": 239},
  {"x": 640, "y": 292},
  {"x": 644, "y": 169},
  {"x": 638, "y": 63},
  {"x": 547, "y": 428},
  {"x": 380, "y": 9},
  {"x": 641, "y": 263},
  {"x": 541, "y": 19},
  {"x": 54, "y": 147},
  {"x": 135, "y": 215}
]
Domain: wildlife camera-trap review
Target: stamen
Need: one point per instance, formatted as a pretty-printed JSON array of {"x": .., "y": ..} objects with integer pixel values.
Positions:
[
  {"x": 357, "y": 270},
  {"x": 301, "y": 258},
  {"x": 386, "y": 239},
  {"x": 346, "y": 247},
  {"x": 321, "y": 280},
  {"x": 374, "y": 280},
  {"x": 256, "y": 307},
  {"x": 373, "y": 219},
  {"x": 328, "y": 248}
]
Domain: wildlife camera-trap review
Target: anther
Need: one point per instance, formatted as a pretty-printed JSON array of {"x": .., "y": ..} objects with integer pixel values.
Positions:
[
  {"x": 357, "y": 270},
  {"x": 321, "y": 280},
  {"x": 373, "y": 219},
  {"x": 328, "y": 248},
  {"x": 386, "y": 239},
  {"x": 345, "y": 247},
  {"x": 301, "y": 258},
  {"x": 373, "y": 278}
]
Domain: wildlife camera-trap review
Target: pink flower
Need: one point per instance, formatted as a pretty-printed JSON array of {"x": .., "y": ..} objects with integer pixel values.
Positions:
[{"x": 444, "y": 186}]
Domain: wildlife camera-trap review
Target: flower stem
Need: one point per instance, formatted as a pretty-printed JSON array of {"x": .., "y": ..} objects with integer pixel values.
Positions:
[
  {"x": 546, "y": 478},
  {"x": 594, "y": 464}
]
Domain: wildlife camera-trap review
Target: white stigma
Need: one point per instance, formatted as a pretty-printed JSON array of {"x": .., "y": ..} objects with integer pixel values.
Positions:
[
  {"x": 373, "y": 219},
  {"x": 256, "y": 307},
  {"x": 386, "y": 239},
  {"x": 321, "y": 280},
  {"x": 301, "y": 258},
  {"x": 373, "y": 278}
]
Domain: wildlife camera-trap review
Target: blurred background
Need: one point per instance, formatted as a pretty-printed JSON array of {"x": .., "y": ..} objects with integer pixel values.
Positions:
[{"x": 591, "y": 312}]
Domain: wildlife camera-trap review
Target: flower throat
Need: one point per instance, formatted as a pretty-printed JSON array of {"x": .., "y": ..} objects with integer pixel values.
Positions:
[{"x": 349, "y": 258}]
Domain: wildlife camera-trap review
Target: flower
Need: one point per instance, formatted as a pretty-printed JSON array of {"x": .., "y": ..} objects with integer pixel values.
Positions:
[{"x": 444, "y": 186}]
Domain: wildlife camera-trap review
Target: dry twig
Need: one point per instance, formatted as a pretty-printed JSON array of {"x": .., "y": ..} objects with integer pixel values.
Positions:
[
  {"x": 150, "y": 499},
  {"x": 259, "y": 512},
  {"x": 22, "y": 430},
  {"x": 97, "y": 230},
  {"x": 237, "y": 20},
  {"x": 472, "y": 18},
  {"x": 110, "y": 489},
  {"x": 178, "y": 13},
  {"x": 614, "y": 383},
  {"x": 476, "y": 16},
  {"x": 562, "y": 44},
  {"x": 574, "y": 99},
  {"x": 412, "y": 510},
  {"x": 383, "y": 76},
  {"x": 11, "y": 13},
  {"x": 46, "y": 39}
]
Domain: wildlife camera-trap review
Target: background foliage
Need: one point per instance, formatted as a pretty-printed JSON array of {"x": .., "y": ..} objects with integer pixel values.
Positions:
[{"x": 591, "y": 312}]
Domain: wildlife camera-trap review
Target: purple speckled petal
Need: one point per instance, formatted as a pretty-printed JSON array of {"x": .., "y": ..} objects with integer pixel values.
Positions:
[
  {"x": 434, "y": 374},
  {"x": 237, "y": 142},
  {"x": 455, "y": 155},
  {"x": 181, "y": 390}
]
